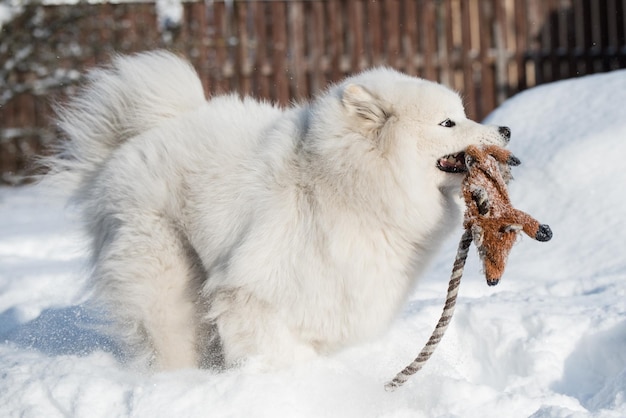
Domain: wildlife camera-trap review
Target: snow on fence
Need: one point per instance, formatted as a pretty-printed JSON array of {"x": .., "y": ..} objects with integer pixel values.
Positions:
[{"x": 287, "y": 50}]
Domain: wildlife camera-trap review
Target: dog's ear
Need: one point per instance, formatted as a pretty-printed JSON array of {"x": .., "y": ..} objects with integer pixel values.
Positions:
[{"x": 359, "y": 102}]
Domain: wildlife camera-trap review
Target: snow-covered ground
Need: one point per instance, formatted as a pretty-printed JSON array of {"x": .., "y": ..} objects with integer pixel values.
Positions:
[{"x": 548, "y": 341}]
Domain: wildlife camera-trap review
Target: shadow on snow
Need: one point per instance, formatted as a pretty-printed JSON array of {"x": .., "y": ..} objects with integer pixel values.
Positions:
[{"x": 73, "y": 330}]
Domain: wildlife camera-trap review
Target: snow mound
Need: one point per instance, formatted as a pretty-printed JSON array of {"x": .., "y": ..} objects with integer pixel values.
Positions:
[{"x": 548, "y": 341}]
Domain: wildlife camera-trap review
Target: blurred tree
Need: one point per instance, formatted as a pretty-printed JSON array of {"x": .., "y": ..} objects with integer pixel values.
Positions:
[
  {"x": 32, "y": 45},
  {"x": 39, "y": 48}
]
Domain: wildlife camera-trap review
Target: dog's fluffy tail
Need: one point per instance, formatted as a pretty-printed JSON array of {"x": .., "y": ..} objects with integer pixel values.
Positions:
[{"x": 132, "y": 95}]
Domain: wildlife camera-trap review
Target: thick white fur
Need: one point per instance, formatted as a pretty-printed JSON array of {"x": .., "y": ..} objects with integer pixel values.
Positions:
[{"x": 231, "y": 229}]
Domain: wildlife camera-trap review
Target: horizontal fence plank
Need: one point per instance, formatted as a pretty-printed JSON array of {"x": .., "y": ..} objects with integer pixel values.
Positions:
[{"x": 283, "y": 50}]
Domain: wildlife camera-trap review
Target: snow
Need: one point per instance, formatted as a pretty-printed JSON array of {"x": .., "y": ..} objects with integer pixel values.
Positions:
[
  {"x": 548, "y": 341},
  {"x": 8, "y": 10},
  {"x": 169, "y": 13}
]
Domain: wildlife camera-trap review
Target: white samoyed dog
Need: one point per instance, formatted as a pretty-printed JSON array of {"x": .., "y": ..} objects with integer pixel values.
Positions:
[{"x": 229, "y": 229}]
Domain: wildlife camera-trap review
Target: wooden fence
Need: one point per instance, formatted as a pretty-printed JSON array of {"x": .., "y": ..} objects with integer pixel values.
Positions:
[{"x": 287, "y": 50}]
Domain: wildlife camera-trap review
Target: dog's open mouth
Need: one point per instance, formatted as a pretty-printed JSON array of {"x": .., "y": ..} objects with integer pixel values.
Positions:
[{"x": 452, "y": 163}]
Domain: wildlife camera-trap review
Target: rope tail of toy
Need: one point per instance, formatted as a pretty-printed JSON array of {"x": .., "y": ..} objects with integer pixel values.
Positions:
[{"x": 444, "y": 320}]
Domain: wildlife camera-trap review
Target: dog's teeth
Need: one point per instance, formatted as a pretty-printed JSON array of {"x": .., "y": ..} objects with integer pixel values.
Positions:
[
  {"x": 453, "y": 163},
  {"x": 454, "y": 160}
]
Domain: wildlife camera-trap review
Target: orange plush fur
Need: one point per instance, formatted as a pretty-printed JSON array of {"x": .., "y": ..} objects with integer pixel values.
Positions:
[{"x": 492, "y": 220}]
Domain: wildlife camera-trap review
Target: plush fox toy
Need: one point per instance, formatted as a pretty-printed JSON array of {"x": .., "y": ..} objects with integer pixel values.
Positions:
[{"x": 493, "y": 222}]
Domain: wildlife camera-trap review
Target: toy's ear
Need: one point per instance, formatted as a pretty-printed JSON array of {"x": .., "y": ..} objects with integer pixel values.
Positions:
[
  {"x": 480, "y": 197},
  {"x": 470, "y": 161},
  {"x": 513, "y": 161}
]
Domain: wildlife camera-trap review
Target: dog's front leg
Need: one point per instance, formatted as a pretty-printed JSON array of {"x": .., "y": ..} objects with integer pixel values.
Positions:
[{"x": 251, "y": 331}]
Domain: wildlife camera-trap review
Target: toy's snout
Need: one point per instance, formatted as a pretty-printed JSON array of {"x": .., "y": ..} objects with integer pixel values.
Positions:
[
  {"x": 493, "y": 282},
  {"x": 544, "y": 233}
]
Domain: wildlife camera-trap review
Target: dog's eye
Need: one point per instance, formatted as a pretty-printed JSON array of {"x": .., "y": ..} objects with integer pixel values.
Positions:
[{"x": 447, "y": 123}]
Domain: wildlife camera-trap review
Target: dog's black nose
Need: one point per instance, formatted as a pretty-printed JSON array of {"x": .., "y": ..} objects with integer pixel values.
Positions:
[
  {"x": 505, "y": 132},
  {"x": 544, "y": 233}
]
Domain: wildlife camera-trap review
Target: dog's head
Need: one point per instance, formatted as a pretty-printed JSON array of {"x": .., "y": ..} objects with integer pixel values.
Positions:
[{"x": 418, "y": 122}]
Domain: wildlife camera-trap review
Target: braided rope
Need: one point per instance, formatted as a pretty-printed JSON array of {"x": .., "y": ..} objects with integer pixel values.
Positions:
[{"x": 444, "y": 320}]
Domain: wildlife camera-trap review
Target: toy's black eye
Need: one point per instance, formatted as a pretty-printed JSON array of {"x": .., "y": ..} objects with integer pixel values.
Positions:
[{"x": 447, "y": 123}]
